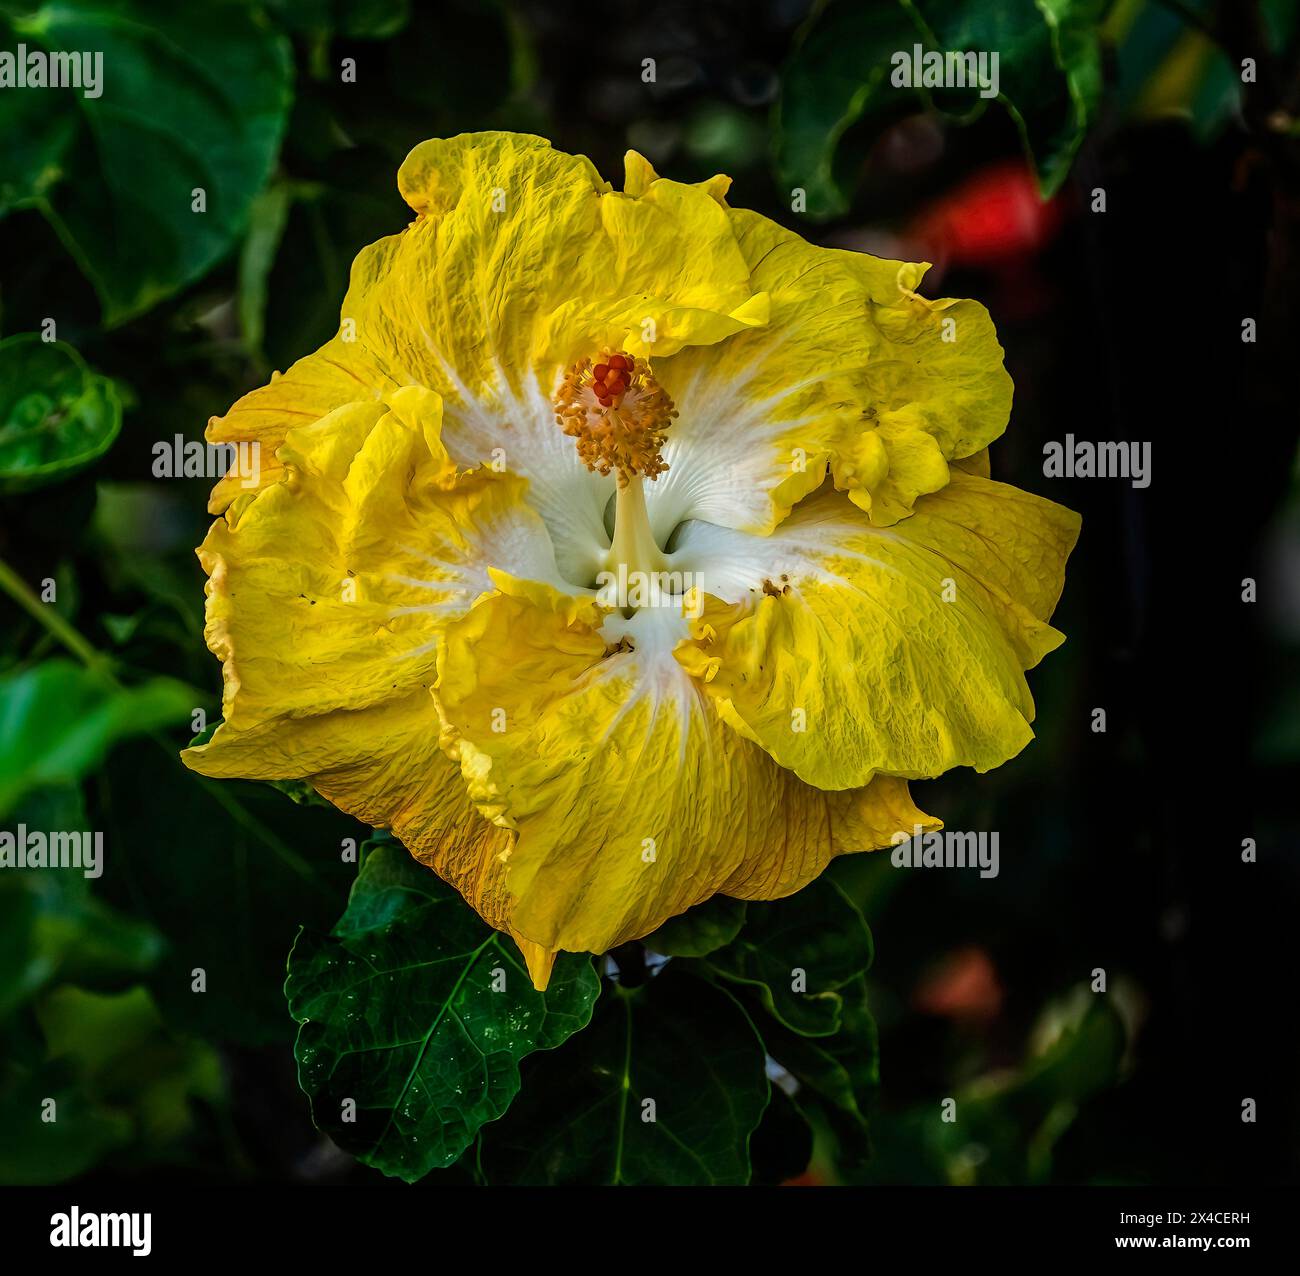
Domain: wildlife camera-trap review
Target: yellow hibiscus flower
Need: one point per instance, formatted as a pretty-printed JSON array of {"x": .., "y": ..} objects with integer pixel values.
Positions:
[{"x": 623, "y": 549}]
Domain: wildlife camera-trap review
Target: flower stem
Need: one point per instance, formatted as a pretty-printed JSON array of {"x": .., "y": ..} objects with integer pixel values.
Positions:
[{"x": 45, "y": 615}]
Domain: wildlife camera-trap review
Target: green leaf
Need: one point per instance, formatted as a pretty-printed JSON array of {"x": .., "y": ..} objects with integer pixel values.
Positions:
[
  {"x": 1165, "y": 67},
  {"x": 118, "y": 1044},
  {"x": 228, "y": 871},
  {"x": 1049, "y": 67},
  {"x": 58, "y": 720},
  {"x": 584, "y": 1117},
  {"x": 701, "y": 930},
  {"x": 837, "y": 1075},
  {"x": 22, "y": 970},
  {"x": 119, "y": 1081},
  {"x": 74, "y": 935},
  {"x": 115, "y": 174},
  {"x": 794, "y": 955},
  {"x": 418, "y": 1012},
  {"x": 354, "y": 19},
  {"x": 267, "y": 221},
  {"x": 1078, "y": 1044},
  {"x": 52, "y": 928},
  {"x": 35, "y": 1151},
  {"x": 36, "y": 140},
  {"x": 56, "y": 416},
  {"x": 1049, "y": 80},
  {"x": 1004, "y": 1125},
  {"x": 299, "y": 792},
  {"x": 325, "y": 223},
  {"x": 837, "y": 73}
]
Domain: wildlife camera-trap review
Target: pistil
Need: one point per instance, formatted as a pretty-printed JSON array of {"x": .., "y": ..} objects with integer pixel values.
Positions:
[
  {"x": 634, "y": 544},
  {"x": 618, "y": 413}
]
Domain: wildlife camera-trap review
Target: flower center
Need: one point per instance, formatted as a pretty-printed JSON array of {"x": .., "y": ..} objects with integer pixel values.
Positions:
[{"x": 618, "y": 413}]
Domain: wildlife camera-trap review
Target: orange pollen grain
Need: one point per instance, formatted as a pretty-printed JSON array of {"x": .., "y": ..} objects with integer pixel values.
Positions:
[{"x": 618, "y": 413}]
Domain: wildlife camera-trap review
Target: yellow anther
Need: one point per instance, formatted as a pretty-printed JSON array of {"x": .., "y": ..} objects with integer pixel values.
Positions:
[{"x": 618, "y": 413}]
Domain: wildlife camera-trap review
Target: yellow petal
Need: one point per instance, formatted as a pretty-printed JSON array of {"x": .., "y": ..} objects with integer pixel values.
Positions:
[
  {"x": 631, "y": 799},
  {"x": 868, "y": 818},
  {"x": 521, "y": 261},
  {"x": 674, "y": 297},
  {"x": 335, "y": 375},
  {"x": 977, "y": 463},
  {"x": 761, "y": 412},
  {"x": 934, "y": 388},
  {"x": 328, "y": 590},
  {"x": 894, "y": 650},
  {"x": 913, "y": 465},
  {"x": 383, "y": 766},
  {"x": 639, "y": 173}
]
